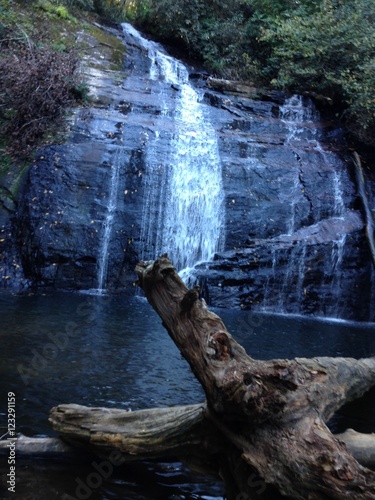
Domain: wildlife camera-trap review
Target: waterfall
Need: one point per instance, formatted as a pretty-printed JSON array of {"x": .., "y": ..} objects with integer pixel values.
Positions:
[
  {"x": 297, "y": 117},
  {"x": 302, "y": 135},
  {"x": 338, "y": 210},
  {"x": 184, "y": 202},
  {"x": 337, "y": 254},
  {"x": 108, "y": 221},
  {"x": 194, "y": 211}
]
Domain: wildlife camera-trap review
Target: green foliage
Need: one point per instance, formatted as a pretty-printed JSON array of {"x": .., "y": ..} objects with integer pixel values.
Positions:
[
  {"x": 110, "y": 9},
  {"x": 80, "y": 4},
  {"x": 324, "y": 46},
  {"x": 209, "y": 29},
  {"x": 136, "y": 10},
  {"x": 113, "y": 10},
  {"x": 52, "y": 9},
  {"x": 80, "y": 91},
  {"x": 332, "y": 52},
  {"x": 46, "y": 6},
  {"x": 62, "y": 12}
]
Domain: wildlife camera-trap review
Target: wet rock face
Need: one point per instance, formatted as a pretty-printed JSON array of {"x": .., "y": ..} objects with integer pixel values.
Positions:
[
  {"x": 294, "y": 233},
  {"x": 62, "y": 216},
  {"x": 294, "y": 230}
]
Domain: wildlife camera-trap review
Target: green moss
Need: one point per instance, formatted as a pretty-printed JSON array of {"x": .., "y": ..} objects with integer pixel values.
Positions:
[
  {"x": 53, "y": 10},
  {"x": 5, "y": 163},
  {"x": 11, "y": 177},
  {"x": 62, "y": 12},
  {"x": 110, "y": 44}
]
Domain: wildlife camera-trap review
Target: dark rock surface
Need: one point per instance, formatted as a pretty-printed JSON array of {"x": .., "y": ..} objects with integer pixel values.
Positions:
[{"x": 294, "y": 235}]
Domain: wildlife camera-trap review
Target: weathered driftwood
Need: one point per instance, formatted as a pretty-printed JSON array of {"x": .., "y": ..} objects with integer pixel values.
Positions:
[
  {"x": 370, "y": 226},
  {"x": 148, "y": 434},
  {"x": 47, "y": 447},
  {"x": 127, "y": 433},
  {"x": 361, "y": 446},
  {"x": 144, "y": 434},
  {"x": 274, "y": 412},
  {"x": 181, "y": 432},
  {"x": 264, "y": 423}
]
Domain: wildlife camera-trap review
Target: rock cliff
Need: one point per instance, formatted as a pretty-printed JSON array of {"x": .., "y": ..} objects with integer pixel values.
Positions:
[{"x": 294, "y": 237}]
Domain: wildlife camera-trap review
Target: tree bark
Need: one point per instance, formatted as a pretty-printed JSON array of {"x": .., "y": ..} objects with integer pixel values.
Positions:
[
  {"x": 263, "y": 427},
  {"x": 361, "y": 446},
  {"x": 184, "y": 433},
  {"x": 140, "y": 435},
  {"x": 273, "y": 412},
  {"x": 48, "y": 448}
]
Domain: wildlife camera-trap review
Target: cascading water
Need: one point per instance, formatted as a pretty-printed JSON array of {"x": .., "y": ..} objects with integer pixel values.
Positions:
[
  {"x": 291, "y": 198},
  {"x": 338, "y": 210},
  {"x": 297, "y": 117},
  {"x": 184, "y": 206},
  {"x": 300, "y": 117},
  {"x": 194, "y": 212},
  {"x": 108, "y": 221}
]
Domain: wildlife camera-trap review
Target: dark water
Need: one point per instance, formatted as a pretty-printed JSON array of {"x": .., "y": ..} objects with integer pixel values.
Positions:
[{"x": 117, "y": 354}]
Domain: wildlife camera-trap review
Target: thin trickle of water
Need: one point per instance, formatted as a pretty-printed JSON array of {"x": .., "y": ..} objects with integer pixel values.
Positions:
[
  {"x": 268, "y": 298},
  {"x": 108, "y": 221},
  {"x": 155, "y": 181},
  {"x": 301, "y": 272},
  {"x": 339, "y": 206},
  {"x": 294, "y": 277},
  {"x": 184, "y": 207},
  {"x": 298, "y": 118},
  {"x": 338, "y": 210}
]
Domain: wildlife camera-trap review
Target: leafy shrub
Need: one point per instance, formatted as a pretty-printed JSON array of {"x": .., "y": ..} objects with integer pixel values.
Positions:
[
  {"x": 324, "y": 46},
  {"x": 136, "y": 10},
  {"x": 46, "y": 6},
  {"x": 55, "y": 10},
  {"x": 36, "y": 84},
  {"x": 62, "y": 12},
  {"x": 80, "y": 4},
  {"x": 331, "y": 52}
]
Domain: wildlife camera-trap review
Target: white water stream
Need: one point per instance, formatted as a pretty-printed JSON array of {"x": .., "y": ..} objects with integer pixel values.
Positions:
[
  {"x": 299, "y": 118},
  {"x": 184, "y": 201},
  {"x": 108, "y": 221}
]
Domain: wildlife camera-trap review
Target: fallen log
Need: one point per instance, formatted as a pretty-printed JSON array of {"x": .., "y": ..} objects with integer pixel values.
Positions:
[
  {"x": 361, "y": 446},
  {"x": 145, "y": 434},
  {"x": 274, "y": 412},
  {"x": 126, "y": 432},
  {"x": 48, "y": 448},
  {"x": 180, "y": 432},
  {"x": 139, "y": 435},
  {"x": 264, "y": 422}
]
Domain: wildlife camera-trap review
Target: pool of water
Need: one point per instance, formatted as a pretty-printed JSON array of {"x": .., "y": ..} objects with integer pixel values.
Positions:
[{"x": 114, "y": 352}]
